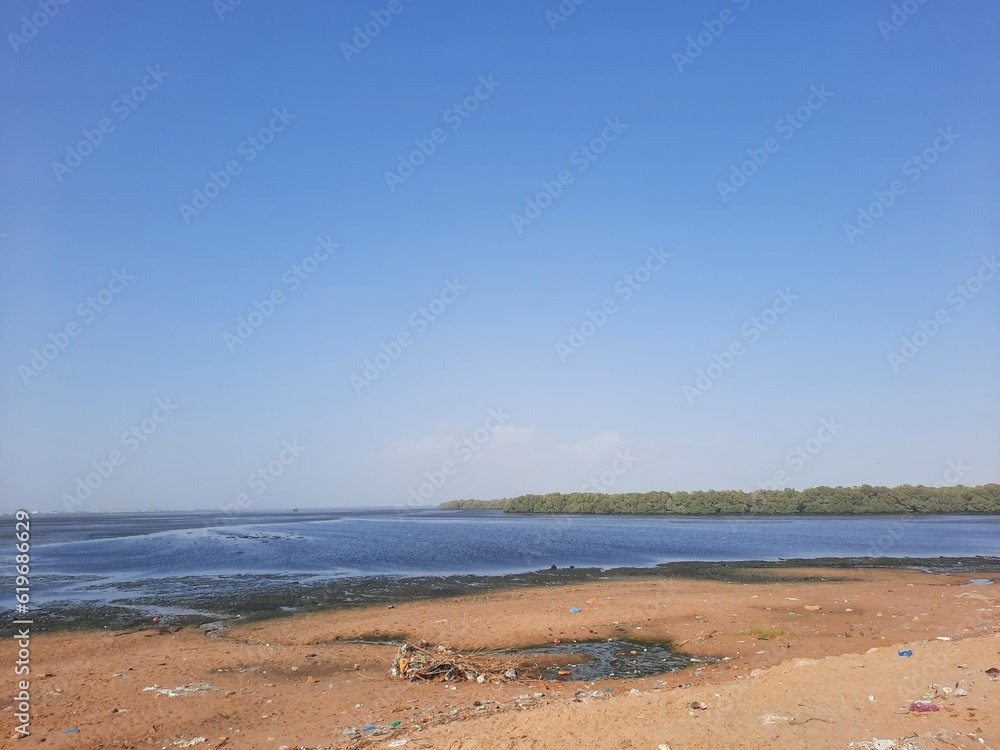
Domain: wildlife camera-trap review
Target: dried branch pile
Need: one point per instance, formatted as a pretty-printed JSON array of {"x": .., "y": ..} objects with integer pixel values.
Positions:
[{"x": 426, "y": 662}]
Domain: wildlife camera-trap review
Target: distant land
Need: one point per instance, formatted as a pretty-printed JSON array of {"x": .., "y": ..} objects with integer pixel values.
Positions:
[{"x": 865, "y": 499}]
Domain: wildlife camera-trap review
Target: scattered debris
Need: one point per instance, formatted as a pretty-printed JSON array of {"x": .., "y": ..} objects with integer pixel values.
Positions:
[
  {"x": 574, "y": 610},
  {"x": 908, "y": 652},
  {"x": 774, "y": 719},
  {"x": 191, "y": 742},
  {"x": 993, "y": 672},
  {"x": 923, "y": 707},
  {"x": 878, "y": 744},
  {"x": 812, "y": 608},
  {"x": 179, "y": 690},
  {"x": 426, "y": 662}
]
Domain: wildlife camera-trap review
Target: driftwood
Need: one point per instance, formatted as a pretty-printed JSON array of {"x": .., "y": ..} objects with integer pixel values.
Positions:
[{"x": 426, "y": 662}]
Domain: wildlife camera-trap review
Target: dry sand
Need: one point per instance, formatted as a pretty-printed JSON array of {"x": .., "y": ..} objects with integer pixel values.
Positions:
[{"x": 829, "y": 677}]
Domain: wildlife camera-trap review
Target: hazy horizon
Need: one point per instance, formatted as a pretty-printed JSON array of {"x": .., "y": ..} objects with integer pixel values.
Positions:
[{"x": 395, "y": 253}]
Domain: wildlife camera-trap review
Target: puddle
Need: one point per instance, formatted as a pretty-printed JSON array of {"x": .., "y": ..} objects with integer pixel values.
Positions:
[
  {"x": 585, "y": 660},
  {"x": 979, "y": 582},
  {"x": 603, "y": 660}
]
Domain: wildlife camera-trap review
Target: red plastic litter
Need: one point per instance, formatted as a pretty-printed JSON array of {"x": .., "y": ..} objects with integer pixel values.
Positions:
[{"x": 921, "y": 707}]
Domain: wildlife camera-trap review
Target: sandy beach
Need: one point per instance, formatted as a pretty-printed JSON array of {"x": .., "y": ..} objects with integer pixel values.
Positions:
[{"x": 801, "y": 663}]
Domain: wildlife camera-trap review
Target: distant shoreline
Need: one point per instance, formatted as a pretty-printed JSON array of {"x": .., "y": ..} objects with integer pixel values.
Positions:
[{"x": 815, "y": 501}]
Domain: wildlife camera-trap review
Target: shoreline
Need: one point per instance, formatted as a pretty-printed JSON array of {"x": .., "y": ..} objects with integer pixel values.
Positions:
[{"x": 285, "y": 600}]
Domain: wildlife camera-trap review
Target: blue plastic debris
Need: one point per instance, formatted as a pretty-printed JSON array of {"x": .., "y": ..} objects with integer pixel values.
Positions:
[
  {"x": 72, "y": 730},
  {"x": 574, "y": 610},
  {"x": 908, "y": 652}
]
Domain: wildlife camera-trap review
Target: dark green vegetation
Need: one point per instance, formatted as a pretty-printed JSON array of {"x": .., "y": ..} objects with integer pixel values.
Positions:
[{"x": 822, "y": 500}]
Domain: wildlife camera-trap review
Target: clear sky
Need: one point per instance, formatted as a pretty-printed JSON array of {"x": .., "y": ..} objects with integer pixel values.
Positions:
[{"x": 634, "y": 246}]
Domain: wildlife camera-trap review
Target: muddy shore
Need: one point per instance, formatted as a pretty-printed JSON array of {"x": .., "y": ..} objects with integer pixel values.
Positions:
[{"x": 264, "y": 600}]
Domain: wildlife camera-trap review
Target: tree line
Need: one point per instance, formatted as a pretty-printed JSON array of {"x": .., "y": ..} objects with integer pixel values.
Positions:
[{"x": 816, "y": 500}]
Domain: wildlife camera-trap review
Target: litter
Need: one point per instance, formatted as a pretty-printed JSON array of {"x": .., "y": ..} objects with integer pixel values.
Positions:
[
  {"x": 908, "y": 652},
  {"x": 426, "y": 662},
  {"x": 921, "y": 707},
  {"x": 993, "y": 672},
  {"x": 773, "y": 719},
  {"x": 398, "y": 743},
  {"x": 179, "y": 690},
  {"x": 72, "y": 730},
  {"x": 191, "y": 742},
  {"x": 574, "y": 610}
]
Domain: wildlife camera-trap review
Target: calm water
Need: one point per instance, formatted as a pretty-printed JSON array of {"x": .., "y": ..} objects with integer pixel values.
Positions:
[{"x": 113, "y": 556}]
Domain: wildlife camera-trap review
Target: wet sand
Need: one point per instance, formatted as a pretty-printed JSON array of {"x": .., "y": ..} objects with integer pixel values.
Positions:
[{"x": 785, "y": 674}]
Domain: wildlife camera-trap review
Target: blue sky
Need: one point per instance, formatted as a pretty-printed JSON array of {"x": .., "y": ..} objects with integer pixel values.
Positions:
[{"x": 647, "y": 139}]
